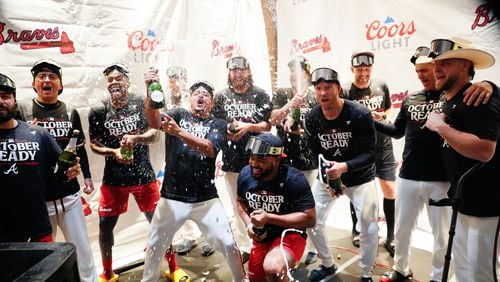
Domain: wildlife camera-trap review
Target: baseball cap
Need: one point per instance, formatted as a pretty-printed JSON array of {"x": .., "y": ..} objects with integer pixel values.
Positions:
[
  {"x": 7, "y": 84},
  {"x": 119, "y": 67},
  {"x": 202, "y": 83},
  {"x": 324, "y": 74},
  {"x": 265, "y": 144},
  {"x": 304, "y": 63},
  {"x": 360, "y": 58},
  {"x": 46, "y": 64},
  {"x": 238, "y": 62},
  {"x": 178, "y": 72}
]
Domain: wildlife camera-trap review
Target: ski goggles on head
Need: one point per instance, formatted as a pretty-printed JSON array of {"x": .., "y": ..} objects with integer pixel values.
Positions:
[
  {"x": 439, "y": 46},
  {"x": 362, "y": 59},
  {"x": 7, "y": 84},
  {"x": 302, "y": 62},
  {"x": 422, "y": 51},
  {"x": 256, "y": 146},
  {"x": 237, "y": 63},
  {"x": 119, "y": 67},
  {"x": 324, "y": 74},
  {"x": 202, "y": 83}
]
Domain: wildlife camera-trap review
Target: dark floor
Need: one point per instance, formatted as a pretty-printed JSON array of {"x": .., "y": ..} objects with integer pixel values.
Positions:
[{"x": 214, "y": 268}]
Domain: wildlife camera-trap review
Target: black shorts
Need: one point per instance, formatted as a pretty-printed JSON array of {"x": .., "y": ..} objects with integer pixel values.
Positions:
[{"x": 385, "y": 163}]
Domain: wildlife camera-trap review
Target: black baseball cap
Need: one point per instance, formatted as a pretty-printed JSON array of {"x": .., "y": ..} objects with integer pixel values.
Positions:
[
  {"x": 7, "y": 84},
  {"x": 202, "y": 83},
  {"x": 47, "y": 65},
  {"x": 265, "y": 144}
]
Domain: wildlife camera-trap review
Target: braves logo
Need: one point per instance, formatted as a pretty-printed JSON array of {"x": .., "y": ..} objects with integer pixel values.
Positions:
[{"x": 12, "y": 169}]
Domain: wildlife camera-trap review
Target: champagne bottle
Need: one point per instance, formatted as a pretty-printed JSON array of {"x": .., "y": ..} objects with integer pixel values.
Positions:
[
  {"x": 295, "y": 118},
  {"x": 231, "y": 126},
  {"x": 259, "y": 231},
  {"x": 156, "y": 98},
  {"x": 127, "y": 152},
  {"x": 67, "y": 158}
]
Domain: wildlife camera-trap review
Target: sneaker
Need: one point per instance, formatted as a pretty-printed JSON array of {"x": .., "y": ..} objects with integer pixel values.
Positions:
[
  {"x": 322, "y": 272},
  {"x": 179, "y": 275},
  {"x": 311, "y": 258},
  {"x": 207, "y": 249},
  {"x": 103, "y": 278},
  {"x": 355, "y": 239},
  {"x": 395, "y": 276},
  {"x": 184, "y": 247},
  {"x": 390, "y": 246}
]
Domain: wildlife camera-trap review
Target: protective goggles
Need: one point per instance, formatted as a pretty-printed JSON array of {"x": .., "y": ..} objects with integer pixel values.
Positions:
[
  {"x": 439, "y": 46},
  {"x": 237, "y": 63},
  {"x": 421, "y": 51},
  {"x": 303, "y": 62},
  {"x": 325, "y": 74},
  {"x": 119, "y": 67},
  {"x": 202, "y": 83},
  {"x": 7, "y": 84},
  {"x": 46, "y": 63},
  {"x": 256, "y": 146},
  {"x": 362, "y": 59}
]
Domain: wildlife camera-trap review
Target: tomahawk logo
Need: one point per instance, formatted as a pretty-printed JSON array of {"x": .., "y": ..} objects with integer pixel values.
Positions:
[
  {"x": 12, "y": 169},
  {"x": 37, "y": 38}
]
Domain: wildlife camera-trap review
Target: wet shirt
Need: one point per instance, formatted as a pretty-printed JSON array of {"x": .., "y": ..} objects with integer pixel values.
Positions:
[
  {"x": 252, "y": 106},
  {"x": 480, "y": 193},
  {"x": 376, "y": 98},
  {"x": 108, "y": 125},
  {"x": 287, "y": 192},
  {"x": 59, "y": 120},
  {"x": 299, "y": 154},
  {"x": 27, "y": 156},
  {"x": 349, "y": 138},
  {"x": 422, "y": 149},
  {"x": 189, "y": 174}
]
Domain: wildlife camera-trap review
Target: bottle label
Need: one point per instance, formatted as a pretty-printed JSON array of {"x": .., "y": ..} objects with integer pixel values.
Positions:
[{"x": 157, "y": 96}]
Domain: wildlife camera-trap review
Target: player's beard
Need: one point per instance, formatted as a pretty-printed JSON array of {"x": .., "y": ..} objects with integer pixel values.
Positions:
[
  {"x": 263, "y": 174},
  {"x": 9, "y": 114}
]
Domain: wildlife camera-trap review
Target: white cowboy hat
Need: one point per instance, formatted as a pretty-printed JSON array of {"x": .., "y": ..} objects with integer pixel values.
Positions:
[{"x": 447, "y": 49}]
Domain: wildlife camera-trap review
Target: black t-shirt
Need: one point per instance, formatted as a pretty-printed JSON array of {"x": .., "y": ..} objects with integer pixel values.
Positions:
[
  {"x": 480, "y": 194},
  {"x": 108, "y": 125},
  {"x": 287, "y": 192},
  {"x": 60, "y": 120},
  {"x": 189, "y": 175},
  {"x": 422, "y": 150},
  {"x": 299, "y": 154},
  {"x": 349, "y": 138},
  {"x": 376, "y": 98},
  {"x": 28, "y": 155},
  {"x": 253, "y": 106}
]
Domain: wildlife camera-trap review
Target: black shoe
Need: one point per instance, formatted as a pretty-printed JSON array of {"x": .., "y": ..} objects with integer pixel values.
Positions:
[
  {"x": 207, "y": 249},
  {"x": 311, "y": 258},
  {"x": 244, "y": 257},
  {"x": 366, "y": 279},
  {"x": 389, "y": 246},
  {"x": 395, "y": 276},
  {"x": 185, "y": 247},
  {"x": 322, "y": 272},
  {"x": 355, "y": 239}
]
